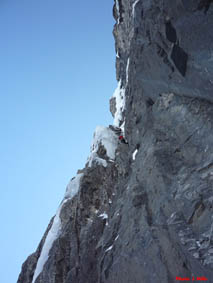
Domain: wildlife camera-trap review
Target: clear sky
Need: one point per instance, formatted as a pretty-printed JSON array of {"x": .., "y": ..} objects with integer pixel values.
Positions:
[{"x": 57, "y": 73}]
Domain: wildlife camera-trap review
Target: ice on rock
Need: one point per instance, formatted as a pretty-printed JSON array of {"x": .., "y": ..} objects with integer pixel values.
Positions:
[
  {"x": 73, "y": 186},
  {"x": 118, "y": 10},
  {"x": 94, "y": 158},
  {"x": 119, "y": 95},
  {"x": 106, "y": 137},
  {"x": 127, "y": 72},
  {"x": 120, "y": 100},
  {"x": 133, "y": 7}
]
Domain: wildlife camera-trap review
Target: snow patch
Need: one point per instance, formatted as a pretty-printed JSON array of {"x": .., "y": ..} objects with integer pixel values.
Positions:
[
  {"x": 133, "y": 7},
  {"x": 127, "y": 71},
  {"x": 116, "y": 238},
  {"x": 134, "y": 154},
  {"x": 103, "y": 215},
  {"x": 109, "y": 248},
  {"x": 106, "y": 137},
  {"x": 73, "y": 186},
  {"x": 119, "y": 95}
]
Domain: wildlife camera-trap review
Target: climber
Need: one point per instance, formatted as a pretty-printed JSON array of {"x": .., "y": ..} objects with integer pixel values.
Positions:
[{"x": 122, "y": 139}]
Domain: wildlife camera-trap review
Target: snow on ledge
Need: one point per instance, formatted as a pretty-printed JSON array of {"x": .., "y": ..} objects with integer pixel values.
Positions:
[
  {"x": 55, "y": 229},
  {"x": 106, "y": 137}
]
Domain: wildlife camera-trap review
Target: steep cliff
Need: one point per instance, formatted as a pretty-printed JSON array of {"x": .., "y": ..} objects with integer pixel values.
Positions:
[{"x": 142, "y": 211}]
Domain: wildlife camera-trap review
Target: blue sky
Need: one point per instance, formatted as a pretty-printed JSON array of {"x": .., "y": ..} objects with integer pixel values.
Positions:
[{"x": 57, "y": 70}]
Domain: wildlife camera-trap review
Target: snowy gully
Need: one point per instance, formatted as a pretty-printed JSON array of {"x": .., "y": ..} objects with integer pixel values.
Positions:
[{"x": 203, "y": 278}]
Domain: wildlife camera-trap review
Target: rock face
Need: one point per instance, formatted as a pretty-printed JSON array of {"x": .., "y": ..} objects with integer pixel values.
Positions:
[{"x": 142, "y": 212}]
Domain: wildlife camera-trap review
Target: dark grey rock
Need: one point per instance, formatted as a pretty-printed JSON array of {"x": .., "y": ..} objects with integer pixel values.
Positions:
[
  {"x": 171, "y": 32},
  {"x": 113, "y": 106},
  {"x": 179, "y": 57},
  {"x": 204, "y": 4}
]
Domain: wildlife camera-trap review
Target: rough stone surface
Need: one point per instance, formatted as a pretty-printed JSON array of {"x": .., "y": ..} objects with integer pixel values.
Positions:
[
  {"x": 113, "y": 106},
  {"x": 159, "y": 222}
]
